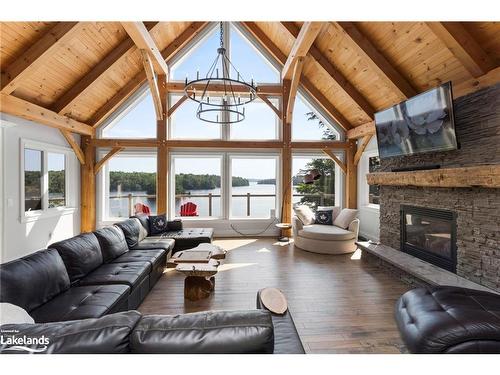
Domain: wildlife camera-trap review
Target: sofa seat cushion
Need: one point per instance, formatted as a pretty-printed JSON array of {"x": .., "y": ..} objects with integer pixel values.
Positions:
[
  {"x": 444, "y": 318},
  {"x": 326, "y": 233},
  {"x": 81, "y": 302},
  {"x": 151, "y": 256},
  {"x": 155, "y": 243},
  {"x": 130, "y": 274}
]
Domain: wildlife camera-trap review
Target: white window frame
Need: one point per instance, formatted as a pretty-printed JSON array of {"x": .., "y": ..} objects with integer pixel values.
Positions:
[
  {"x": 363, "y": 188},
  {"x": 339, "y": 174},
  {"x": 70, "y": 167},
  {"x": 245, "y": 155},
  {"x": 103, "y": 181}
]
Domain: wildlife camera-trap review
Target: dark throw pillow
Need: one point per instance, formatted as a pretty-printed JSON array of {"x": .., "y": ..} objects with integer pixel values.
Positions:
[
  {"x": 324, "y": 217},
  {"x": 157, "y": 225}
]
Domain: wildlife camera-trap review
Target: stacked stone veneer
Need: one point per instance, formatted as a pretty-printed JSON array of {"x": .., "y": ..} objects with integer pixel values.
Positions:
[{"x": 477, "y": 122}]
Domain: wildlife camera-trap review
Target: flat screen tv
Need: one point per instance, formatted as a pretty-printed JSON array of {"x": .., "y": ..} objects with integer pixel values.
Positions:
[{"x": 423, "y": 123}]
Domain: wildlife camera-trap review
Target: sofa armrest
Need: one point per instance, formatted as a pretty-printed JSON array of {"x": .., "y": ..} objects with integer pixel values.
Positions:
[
  {"x": 296, "y": 225},
  {"x": 218, "y": 332},
  {"x": 174, "y": 225},
  {"x": 354, "y": 227}
]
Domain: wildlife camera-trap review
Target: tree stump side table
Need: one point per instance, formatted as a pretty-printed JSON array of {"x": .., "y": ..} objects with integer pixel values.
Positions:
[{"x": 200, "y": 280}]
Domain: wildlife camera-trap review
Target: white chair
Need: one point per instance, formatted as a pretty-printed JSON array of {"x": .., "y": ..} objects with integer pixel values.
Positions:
[{"x": 325, "y": 239}]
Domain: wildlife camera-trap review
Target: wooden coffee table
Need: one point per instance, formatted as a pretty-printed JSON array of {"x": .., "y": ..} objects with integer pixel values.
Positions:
[
  {"x": 200, "y": 280},
  {"x": 199, "y": 254}
]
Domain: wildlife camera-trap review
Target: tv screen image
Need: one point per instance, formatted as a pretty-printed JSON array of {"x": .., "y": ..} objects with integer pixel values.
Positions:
[{"x": 420, "y": 124}]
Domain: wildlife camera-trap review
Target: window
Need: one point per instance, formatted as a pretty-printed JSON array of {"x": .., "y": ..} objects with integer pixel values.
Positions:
[
  {"x": 374, "y": 190},
  {"x": 131, "y": 185},
  {"x": 260, "y": 123},
  {"x": 33, "y": 173},
  {"x": 323, "y": 191},
  {"x": 197, "y": 186},
  {"x": 185, "y": 125},
  {"x": 308, "y": 124},
  {"x": 253, "y": 186},
  {"x": 57, "y": 179},
  {"x": 44, "y": 181},
  {"x": 137, "y": 120}
]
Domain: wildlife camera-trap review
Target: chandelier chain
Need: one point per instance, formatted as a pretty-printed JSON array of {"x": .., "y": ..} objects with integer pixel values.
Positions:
[{"x": 221, "y": 35}]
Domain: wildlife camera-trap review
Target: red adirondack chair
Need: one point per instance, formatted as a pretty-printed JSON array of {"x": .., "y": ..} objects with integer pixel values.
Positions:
[
  {"x": 141, "y": 208},
  {"x": 189, "y": 209}
]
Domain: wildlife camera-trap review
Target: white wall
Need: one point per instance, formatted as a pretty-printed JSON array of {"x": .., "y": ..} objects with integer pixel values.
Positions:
[
  {"x": 20, "y": 238},
  {"x": 369, "y": 215}
]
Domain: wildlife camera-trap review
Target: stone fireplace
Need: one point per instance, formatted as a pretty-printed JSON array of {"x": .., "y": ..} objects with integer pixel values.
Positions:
[
  {"x": 475, "y": 210},
  {"x": 429, "y": 234}
]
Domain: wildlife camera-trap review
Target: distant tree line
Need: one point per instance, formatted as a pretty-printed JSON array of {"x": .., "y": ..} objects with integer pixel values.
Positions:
[
  {"x": 32, "y": 182},
  {"x": 146, "y": 181}
]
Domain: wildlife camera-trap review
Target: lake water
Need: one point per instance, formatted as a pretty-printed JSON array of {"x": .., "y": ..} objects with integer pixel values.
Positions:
[{"x": 259, "y": 206}]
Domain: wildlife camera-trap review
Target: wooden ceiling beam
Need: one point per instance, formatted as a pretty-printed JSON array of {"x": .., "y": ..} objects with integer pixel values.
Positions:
[
  {"x": 36, "y": 55},
  {"x": 168, "y": 53},
  {"x": 341, "y": 81},
  {"x": 143, "y": 40},
  {"x": 266, "y": 100},
  {"x": 361, "y": 148},
  {"x": 173, "y": 108},
  {"x": 304, "y": 40},
  {"x": 294, "y": 86},
  {"x": 361, "y": 130},
  {"x": 280, "y": 57},
  {"x": 377, "y": 61},
  {"x": 153, "y": 83},
  {"x": 29, "y": 111},
  {"x": 66, "y": 100},
  {"x": 74, "y": 145},
  {"x": 336, "y": 159},
  {"x": 463, "y": 46},
  {"x": 272, "y": 89}
]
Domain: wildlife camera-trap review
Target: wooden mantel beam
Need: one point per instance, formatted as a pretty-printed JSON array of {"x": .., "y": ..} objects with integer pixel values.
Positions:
[
  {"x": 308, "y": 33},
  {"x": 66, "y": 100},
  {"x": 168, "y": 53},
  {"x": 281, "y": 58},
  {"x": 377, "y": 61},
  {"x": 341, "y": 81},
  {"x": 29, "y": 111},
  {"x": 463, "y": 46},
  {"x": 143, "y": 40},
  {"x": 36, "y": 55}
]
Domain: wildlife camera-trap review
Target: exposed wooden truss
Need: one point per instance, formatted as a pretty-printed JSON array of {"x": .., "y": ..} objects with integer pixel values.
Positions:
[
  {"x": 271, "y": 89},
  {"x": 168, "y": 53},
  {"x": 341, "y": 81},
  {"x": 74, "y": 145},
  {"x": 29, "y": 111},
  {"x": 144, "y": 41},
  {"x": 87, "y": 187},
  {"x": 105, "y": 158},
  {"x": 66, "y": 100},
  {"x": 294, "y": 87},
  {"x": 463, "y": 46},
  {"x": 173, "y": 108},
  {"x": 304, "y": 40},
  {"x": 266, "y": 100},
  {"x": 162, "y": 163},
  {"x": 361, "y": 148},
  {"x": 153, "y": 84},
  {"x": 377, "y": 61},
  {"x": 280, "y": 57},
  {"x": 362, "y": 130},
  {"x": 37, "y": 55},
  {"x": 336, "y": 159},
  {"x": 351, "y": 179}
]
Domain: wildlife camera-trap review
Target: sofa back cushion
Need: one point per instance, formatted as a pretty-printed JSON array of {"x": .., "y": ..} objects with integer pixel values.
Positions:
[
  {"x": 144, "y": 219},
  {"x": 31, "y": 281},
  {"x": 305, "y": 214},
  {"x": 346, "y": 216},
  {"x": 112, "y": 242},
  {"x": 81, "y": 255},
  {"x": 131, "y": 228}
]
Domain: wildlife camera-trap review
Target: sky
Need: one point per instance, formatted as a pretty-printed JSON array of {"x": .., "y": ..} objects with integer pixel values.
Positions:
[
  {"x": 33, "y": 161},
  {"x": 260, "y": 121}
]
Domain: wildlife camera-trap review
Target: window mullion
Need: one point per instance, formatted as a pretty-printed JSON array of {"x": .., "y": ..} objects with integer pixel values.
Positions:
[{"x": 45, "y": 181}]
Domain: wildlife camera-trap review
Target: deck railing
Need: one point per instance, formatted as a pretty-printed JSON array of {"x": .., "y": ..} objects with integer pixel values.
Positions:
[{"x": 318, "y": 199}]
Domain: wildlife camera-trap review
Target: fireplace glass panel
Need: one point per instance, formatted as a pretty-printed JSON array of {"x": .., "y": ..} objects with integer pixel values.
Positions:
[{"x": 430, "y": 234}]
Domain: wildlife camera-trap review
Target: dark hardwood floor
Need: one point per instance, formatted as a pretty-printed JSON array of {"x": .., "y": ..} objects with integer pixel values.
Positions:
[{"x": 340, "y": 303}]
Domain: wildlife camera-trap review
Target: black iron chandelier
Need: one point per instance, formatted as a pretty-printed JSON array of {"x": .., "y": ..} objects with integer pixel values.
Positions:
[{"x": 229, "y": 95}]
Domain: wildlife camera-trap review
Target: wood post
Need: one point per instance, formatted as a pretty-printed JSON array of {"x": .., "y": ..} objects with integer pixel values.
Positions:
[
  {"x": 87, "y": 187},
  {"x": 162, "y": 152},
  {"x": 351, "y": 195},
  {"x": 286, "y": 161}
]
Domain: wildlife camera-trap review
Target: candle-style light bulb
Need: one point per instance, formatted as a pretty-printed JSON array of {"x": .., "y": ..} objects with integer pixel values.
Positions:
[{"x": 197, "y": 73}]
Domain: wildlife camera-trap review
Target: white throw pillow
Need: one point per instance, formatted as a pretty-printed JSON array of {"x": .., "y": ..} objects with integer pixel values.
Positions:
[
  {"x": 12, "y": 314},
  {"x": 305, "y": 214},
  {"x": 346, "y": 216},
  {"x": 335, "y": 210}
]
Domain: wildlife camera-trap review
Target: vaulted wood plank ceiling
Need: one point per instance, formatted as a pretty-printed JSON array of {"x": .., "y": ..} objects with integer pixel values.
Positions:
[{"x": 358, "y": 67}]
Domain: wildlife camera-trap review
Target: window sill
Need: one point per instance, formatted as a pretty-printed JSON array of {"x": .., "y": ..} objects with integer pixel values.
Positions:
[
  {"x": 51, "y": 212},
  {"x": 371, "y": 207}
]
